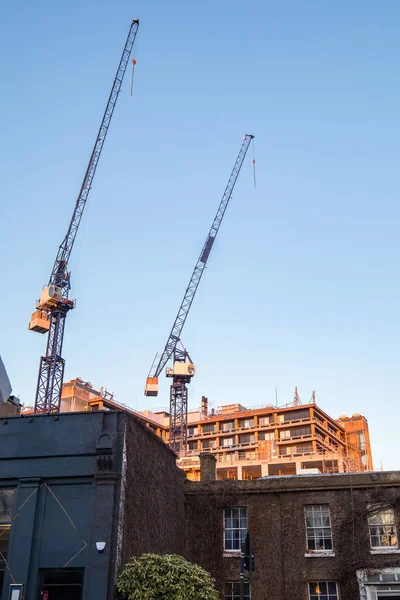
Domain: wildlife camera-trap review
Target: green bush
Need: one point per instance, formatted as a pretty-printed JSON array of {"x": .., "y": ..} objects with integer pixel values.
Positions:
[{"x": 168, "y": 577}]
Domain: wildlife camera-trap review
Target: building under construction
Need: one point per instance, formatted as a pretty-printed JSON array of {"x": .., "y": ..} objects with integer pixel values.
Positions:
[{"x": 249, "y": 443}]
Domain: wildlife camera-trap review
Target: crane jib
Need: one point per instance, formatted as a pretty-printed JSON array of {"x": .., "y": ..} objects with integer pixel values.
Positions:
[{"x": 191, "y": 289}]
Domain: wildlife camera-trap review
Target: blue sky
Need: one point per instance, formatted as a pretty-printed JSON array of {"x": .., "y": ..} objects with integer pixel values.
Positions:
[{"x": 302, "y": 287}]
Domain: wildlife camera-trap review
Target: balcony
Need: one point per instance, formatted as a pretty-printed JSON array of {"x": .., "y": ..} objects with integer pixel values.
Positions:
[
  {"x": 297, "y": 438},
  {"x": 238, "y": 457}
]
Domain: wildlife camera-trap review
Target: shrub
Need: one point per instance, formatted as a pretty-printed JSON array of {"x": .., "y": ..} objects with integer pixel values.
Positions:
[{"x": 168, "y": 577}]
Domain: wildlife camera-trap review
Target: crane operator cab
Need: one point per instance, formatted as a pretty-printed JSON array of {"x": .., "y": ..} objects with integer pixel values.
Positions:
[
  {"x": 51, "y": 297},
  {"x": 40, "y": 320},
  {"x": 180, "y": 369}
]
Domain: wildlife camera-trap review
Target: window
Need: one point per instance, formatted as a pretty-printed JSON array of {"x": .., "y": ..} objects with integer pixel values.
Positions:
[
  {"x": 382, "y": 529},
  {"x": 379, "y": 583},
  {"x": 235, "y": 528},
  {"x": 61, "y": 583},
  {"x": 6, "y": 504},
  {"x": 209, "y": 428},
  {"x": 226, "y": 442},
  {"x": 295, "y": 415},
  {"x": 192, "y": 445},
  {"x": 246, "y": 423},
  {"x": 228, "y": 426},
  {"x": 232, "y": 591},
  {"x": 323, "y": 590},
  {"x": 284, "y": 434},
  {"x": 207, "y": 444},
  {"x": 7, "y": 496},
  {"x": 247, "y": 438},
  {"x": 265, "y": 435},
  {"x": 305, "y": 449},
  {"x": 192, "y": 431},
  {"x": 263, "y": 421},
  {"x": 361, "y": 439},
  {"x": 318, "y": 525},
  {"x": 300, "y": 431}
]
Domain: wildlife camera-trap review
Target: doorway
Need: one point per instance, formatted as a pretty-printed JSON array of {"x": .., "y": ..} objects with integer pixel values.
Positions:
[{"x": 61, "y": 584}]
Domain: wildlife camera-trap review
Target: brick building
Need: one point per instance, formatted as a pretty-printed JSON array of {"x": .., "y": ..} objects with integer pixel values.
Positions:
[
  {"x": 322, "y": 537},
  {"x": 270, "y": 440}
]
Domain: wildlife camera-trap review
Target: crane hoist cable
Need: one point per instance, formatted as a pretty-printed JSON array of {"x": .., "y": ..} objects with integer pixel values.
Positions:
[
  {"x": 54, "y": 303},
  {"x": 182, "y": 370},
  {"x": 254, "y": 165},
  {"x": 133, "y": 73}
]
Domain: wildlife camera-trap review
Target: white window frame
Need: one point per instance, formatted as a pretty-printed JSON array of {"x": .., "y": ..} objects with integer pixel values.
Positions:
[
  {"x": 329, "y": 596},
  {"x": 232, "y": 595},
  {"x": 382, "y": 548},
  {"x": 318, "y": 551},
  {"x": 369, "y": 590},
  {"x": 242, "y": 530}
]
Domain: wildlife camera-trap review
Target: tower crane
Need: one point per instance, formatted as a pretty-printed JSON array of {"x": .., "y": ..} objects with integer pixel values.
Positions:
[
  {"x": 183, "y": 368},
  {"x": 54, "y": 303}
]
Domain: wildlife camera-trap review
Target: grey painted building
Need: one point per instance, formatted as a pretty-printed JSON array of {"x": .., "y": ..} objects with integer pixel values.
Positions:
[{"x": 70, "y": 483}]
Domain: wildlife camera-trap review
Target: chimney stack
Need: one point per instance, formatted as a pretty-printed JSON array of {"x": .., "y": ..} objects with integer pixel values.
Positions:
[
  {"x": 204, "y": 405},
  {"x": 208, "y": 466}
]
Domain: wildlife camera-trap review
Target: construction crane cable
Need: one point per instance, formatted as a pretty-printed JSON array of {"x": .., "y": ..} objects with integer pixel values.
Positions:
[
  {"x": 254, "y": 165},
  {"x": 133, "y": 73}
]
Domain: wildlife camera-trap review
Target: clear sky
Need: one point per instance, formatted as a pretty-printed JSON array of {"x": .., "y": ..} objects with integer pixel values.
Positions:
[{"x": 302, "y": 287}]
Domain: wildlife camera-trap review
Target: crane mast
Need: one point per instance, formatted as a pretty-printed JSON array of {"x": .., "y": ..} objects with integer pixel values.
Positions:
[
  {"x": 54, "y": 303},
  {"x": 183, "y": 368}
]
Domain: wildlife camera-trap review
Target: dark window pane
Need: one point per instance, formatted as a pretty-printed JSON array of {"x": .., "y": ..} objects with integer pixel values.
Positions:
[{"x": 7, "y": 496}]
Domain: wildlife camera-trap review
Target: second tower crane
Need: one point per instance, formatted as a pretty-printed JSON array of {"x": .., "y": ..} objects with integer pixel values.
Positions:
[{"x": 183, "y": 368}]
